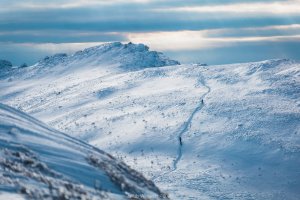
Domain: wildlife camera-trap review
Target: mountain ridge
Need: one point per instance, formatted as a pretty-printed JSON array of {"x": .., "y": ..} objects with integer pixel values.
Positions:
[{"x": 130, "y": 56}]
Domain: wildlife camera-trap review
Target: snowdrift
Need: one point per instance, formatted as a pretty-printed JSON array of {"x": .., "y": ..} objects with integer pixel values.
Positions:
[{"x": 42, "y": 163}]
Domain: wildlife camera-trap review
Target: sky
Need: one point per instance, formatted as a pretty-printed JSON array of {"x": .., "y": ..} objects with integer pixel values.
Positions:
[{"x": 191, "y": 31}]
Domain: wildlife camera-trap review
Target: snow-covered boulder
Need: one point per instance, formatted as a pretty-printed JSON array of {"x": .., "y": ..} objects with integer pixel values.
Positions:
[
  {"x": 5, "y": 65},
  {"x": 53, "y": 60},
  {"x": 6, "y": 68},
  {"x": 23, "y": 65}
]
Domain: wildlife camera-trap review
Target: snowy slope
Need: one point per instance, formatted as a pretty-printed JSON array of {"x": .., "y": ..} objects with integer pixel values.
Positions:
[
  {"x": 241, "y": 142},
  {"x": 41, "y": 163}
]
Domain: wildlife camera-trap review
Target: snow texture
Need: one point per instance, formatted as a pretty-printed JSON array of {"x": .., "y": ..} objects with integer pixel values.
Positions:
[
  {"x": 39, "y": 162},
  {"x": 238, "y": 124}
]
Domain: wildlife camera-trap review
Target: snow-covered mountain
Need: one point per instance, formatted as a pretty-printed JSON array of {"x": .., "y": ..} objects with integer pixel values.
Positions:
[
  {"x": 41, "y": 163},
  {"x": 199, "y": 132},
  {"x": 109, "y": 57}
]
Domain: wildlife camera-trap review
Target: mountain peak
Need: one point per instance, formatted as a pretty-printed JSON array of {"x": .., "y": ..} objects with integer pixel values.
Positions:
[
  {"x": 113, "y": 46},
  {"x": 127, "y": 57}
]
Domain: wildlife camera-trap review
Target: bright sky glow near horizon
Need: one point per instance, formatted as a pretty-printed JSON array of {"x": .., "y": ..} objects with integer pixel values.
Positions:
[{"x": 208, "y": 31}]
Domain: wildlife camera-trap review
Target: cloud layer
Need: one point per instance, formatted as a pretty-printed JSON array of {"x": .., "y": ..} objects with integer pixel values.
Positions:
[{"x": 194, "y": 27}]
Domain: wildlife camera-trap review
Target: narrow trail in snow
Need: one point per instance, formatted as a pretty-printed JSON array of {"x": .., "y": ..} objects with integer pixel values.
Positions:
[{"x": 185, "y": 126}]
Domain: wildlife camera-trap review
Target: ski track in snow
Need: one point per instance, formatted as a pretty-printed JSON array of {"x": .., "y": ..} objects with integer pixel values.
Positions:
[{"x": 185, "y": 126}]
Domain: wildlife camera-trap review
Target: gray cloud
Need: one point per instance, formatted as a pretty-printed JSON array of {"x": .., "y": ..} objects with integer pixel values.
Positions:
[
  {"x": 58, "y": 36},
  {"x": 244, "y": 52},
  {"x": 77, "y": 21}
]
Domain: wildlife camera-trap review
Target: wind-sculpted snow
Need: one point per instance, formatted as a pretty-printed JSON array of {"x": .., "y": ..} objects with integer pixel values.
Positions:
[
  {"x": 41, "y": 163},
  {"x": 241, "y": 143}
]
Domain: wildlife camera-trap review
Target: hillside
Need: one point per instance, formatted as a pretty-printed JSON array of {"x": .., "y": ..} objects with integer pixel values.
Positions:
[
  {"x": 240, "y": 142},
  {"x": 39, "y": 162}
]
